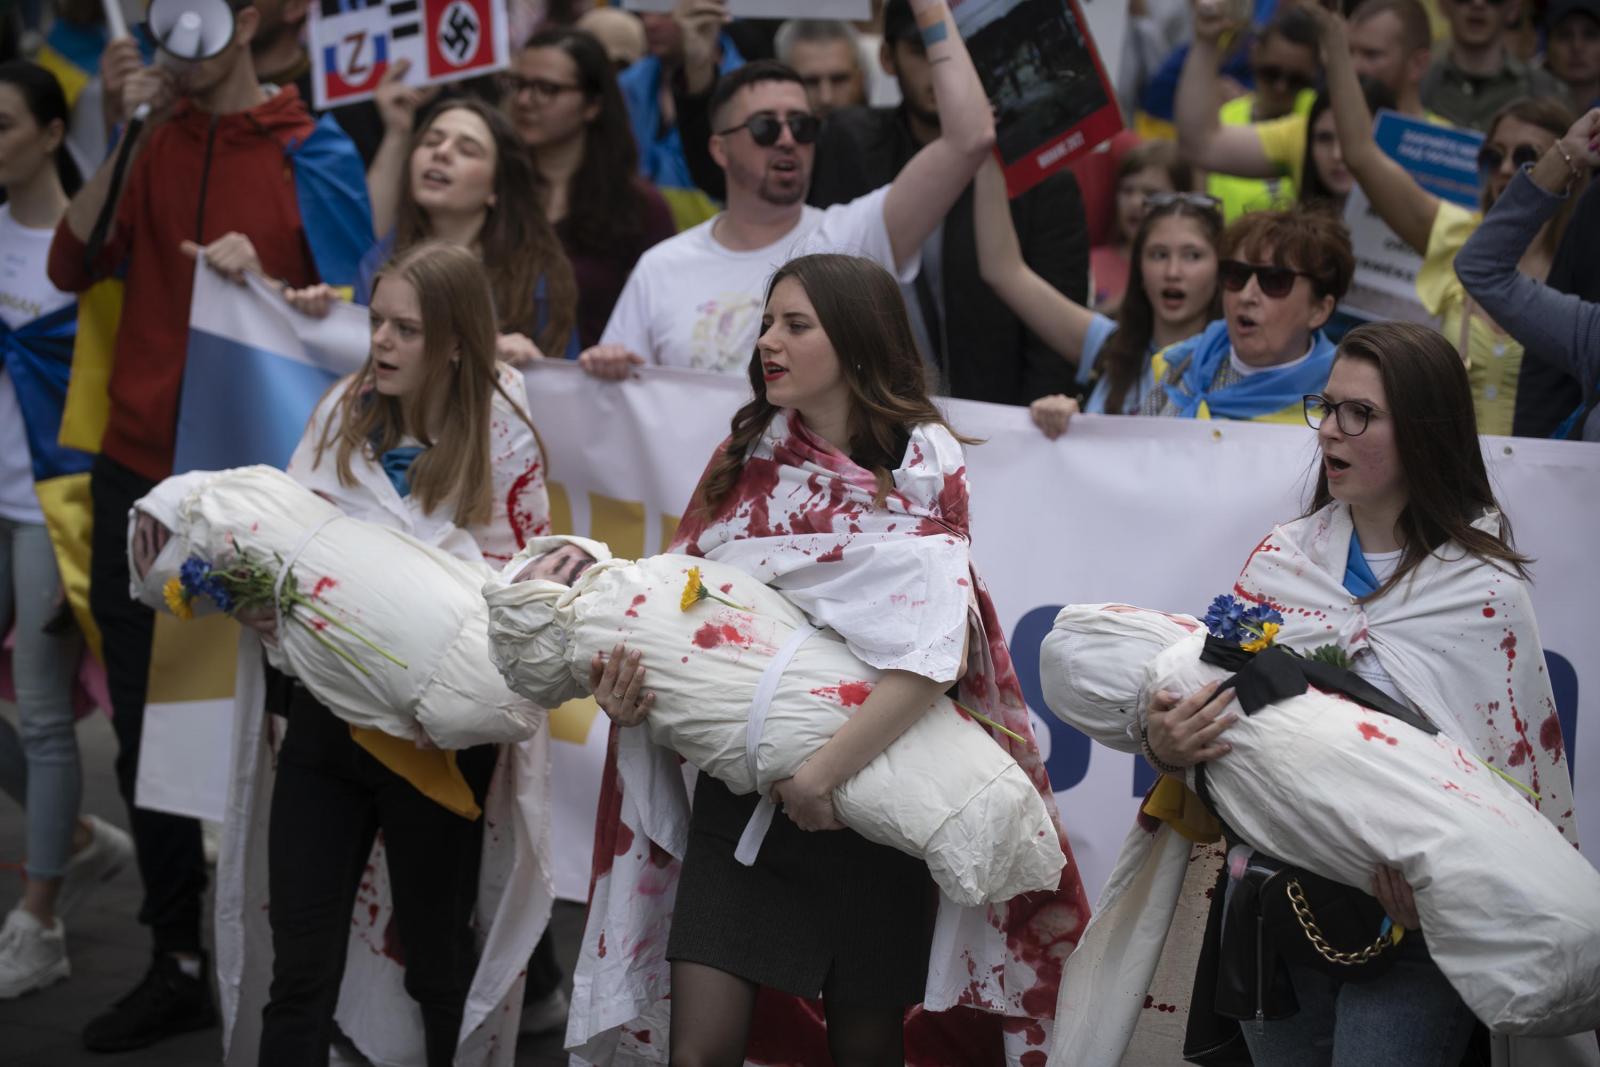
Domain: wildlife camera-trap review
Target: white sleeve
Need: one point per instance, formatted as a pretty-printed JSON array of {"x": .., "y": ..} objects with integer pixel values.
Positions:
[
  {"x": 629, "y": 324},
  {"x": 858, "y": 229}
]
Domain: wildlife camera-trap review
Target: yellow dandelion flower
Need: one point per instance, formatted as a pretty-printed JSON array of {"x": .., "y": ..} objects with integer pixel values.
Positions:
[
  {"x": 1269, "y": 630},
  {"x": 172, "y": 592}
]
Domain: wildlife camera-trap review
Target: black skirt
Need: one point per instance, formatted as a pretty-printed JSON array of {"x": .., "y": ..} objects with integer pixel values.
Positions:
[{"x": 819, "y": 914}]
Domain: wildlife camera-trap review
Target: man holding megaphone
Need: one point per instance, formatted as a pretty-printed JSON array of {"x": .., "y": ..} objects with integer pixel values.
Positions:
[{"x": 211, "y": 165}]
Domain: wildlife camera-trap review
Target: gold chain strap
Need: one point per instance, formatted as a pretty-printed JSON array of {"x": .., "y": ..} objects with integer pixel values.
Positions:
[{"x": 1308, "y": 923}]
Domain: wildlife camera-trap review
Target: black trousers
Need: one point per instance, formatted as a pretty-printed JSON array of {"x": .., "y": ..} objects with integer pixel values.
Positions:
[
  {"x": 330, "y": 799},
  {"x": 171, "y": 860}
]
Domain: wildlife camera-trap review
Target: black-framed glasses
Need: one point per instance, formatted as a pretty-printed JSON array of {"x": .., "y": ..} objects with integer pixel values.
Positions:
[
  {"x": 1198, "y": 201},
  {"x": 1292, "y": 79},
  {"x": 765, "y": 128},
  {"x": 1352, "y": 416},
  {"x": 1276, "y": 282},
  {"x": 1491, "y": 159},
  {"x": 514, "y": 84}
]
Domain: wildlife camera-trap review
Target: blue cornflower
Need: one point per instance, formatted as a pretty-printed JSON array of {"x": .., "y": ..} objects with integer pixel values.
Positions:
[
  {"x": 219, "y": 594},
  {"x": 1260, "y": 613},
  {"x": 1224, "y": 617},
  {"x": 194, "y": 575}
]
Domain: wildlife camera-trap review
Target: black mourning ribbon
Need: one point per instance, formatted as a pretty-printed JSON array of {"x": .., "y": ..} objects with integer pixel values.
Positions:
[{"x": 1275, "y": 673}]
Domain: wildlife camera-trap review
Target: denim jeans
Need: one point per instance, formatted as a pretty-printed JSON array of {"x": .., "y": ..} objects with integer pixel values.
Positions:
[
  {"x": 39, "y": 765},
  {"x": 1409, "y": 1016}
]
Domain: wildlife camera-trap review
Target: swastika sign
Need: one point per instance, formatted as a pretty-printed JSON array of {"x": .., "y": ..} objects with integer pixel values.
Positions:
[{"x": 353, "y": 42}]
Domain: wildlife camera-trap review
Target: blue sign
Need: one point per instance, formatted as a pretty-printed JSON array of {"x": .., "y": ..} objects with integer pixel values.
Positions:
[{"x": 1443, "y": 159}]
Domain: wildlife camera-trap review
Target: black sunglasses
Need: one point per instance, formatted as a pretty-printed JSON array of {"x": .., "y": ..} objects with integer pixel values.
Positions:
[
  {"x": 512, "y": 85},
  {"x": 1294, "y": 79},
  {"x": 1275, "y": 282},
  {"x": 1490, "y": 158},
  {"x": 765, "y": 129},
  {"x": 1352, "y": 416}
]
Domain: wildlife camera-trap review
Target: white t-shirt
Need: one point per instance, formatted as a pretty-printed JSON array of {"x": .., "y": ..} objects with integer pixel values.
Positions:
[
  {"x": 1366, "y": 663},
  {"x": 691, "y": 302},
  {"x": 25, "y": 294}
]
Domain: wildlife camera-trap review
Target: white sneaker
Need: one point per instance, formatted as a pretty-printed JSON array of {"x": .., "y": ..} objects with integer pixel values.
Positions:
[
  {"x": 31, "y": 957},
  {"x": 108, "y": 852}
]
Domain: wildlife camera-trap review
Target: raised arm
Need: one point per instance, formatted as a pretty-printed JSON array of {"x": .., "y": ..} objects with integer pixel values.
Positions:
[
  {"x": 929, "y": 185},
  {"x": 1057, "y": 320},
  {"x": 1202, "y": 138},
  {"x": 397, "y": 104},
  {"x": 1559, "y": 326},
  {"x": 1405, "y": 207}
]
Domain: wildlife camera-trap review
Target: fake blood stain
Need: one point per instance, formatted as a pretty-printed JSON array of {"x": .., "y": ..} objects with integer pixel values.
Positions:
[
  {"x": 1372, "y": 733},
  {"x": 633, "y": 609}
]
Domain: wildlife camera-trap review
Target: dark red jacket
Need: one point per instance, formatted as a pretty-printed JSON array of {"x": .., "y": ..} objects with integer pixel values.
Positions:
[{"x": 198, "y": 177}]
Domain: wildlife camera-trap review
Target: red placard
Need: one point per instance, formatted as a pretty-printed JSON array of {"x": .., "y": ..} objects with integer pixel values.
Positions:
[{"x": 459, "y": 35}]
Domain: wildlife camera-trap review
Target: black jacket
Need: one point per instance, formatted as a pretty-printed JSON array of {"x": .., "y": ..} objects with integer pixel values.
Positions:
[
  {"x": 1546, "y": 393},
  {"x": 986, "y": 352}
]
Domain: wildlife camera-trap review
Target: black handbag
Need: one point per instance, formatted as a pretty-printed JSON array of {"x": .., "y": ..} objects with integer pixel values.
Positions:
[{"x": 1325, "y": 925}]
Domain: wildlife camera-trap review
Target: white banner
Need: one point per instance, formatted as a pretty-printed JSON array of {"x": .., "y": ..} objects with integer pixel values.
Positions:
[{"x": 1155, "y": 512}]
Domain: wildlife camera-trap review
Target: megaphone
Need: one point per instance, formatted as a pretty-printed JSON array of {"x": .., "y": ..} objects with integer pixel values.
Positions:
[{"x": 193, "y": 30}]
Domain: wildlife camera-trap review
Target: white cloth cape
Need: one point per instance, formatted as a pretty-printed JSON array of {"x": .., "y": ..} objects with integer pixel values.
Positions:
[
  {"x": 1300, "y": 567},
  {"x": 727, "y": 701}
]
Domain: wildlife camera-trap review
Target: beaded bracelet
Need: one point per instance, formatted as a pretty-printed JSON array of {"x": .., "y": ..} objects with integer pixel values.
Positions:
[
  {"x": 1151, "y": 757},
  {"x": 1576, "y": 174}
]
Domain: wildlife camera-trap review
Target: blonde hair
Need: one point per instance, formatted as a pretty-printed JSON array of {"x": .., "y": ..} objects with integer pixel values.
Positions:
[{"x": 449, "y": 410}]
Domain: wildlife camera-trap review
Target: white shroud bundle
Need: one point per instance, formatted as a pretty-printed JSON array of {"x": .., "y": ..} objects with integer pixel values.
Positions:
[
  {"x": 1510, "y": 909},
  {"x": 748, "y": 695},
  {"x": 415, "y": 601}
]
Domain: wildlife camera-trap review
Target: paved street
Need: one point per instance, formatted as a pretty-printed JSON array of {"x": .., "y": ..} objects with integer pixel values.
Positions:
[{"x": 109, "y": 950}]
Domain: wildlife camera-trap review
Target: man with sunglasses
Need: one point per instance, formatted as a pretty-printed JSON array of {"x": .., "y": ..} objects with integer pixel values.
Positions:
[
  {"x": 695, "y": 300},
  {"x": 1478, "y": 74},
  {"x": 1283, "y": 60},
  {"x": 1390, "y": 42}
]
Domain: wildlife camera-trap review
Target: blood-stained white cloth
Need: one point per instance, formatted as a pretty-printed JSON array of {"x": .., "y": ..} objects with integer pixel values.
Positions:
[
  {"x": 942, "y": 791},
  {"x": 1461, "y": 643},
  {"x": 894, "y": 579},
  {"x": 515, "y": 891},
  {"x": 368, "y": 583}
]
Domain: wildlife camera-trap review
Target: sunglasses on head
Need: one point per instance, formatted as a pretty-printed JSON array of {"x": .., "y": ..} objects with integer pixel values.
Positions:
[
  {"x": 1198, "y": 201},
  {"x": 1275, "y": 282},
  {"x": 1490, "y": 158},
  {"x": 765, "y": 128},
  {"x": 1293, "y": 79}
]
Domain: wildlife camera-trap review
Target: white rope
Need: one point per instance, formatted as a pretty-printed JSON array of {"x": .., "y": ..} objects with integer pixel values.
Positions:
[{"x": 755, "y": 831}]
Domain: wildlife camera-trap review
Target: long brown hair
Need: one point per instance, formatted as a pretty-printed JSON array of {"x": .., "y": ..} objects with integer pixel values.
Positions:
[
  {"x": 1126, "y": 350},
  {"x": 518, "y": 245},
  {"x": 860, "y": 309},
  {"x": 1551, "y": 114},
  {"x": 1436, "y": 434},
  {"x": 449, "y": 410}
]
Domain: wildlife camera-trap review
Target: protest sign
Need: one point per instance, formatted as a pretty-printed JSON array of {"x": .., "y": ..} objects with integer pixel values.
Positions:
[
  {"x": 1052, "y": 99},
  {"x": 353, "y": 42},
  {"x": 1444, "y": 161},
  {"x": 857, "y": 10}
]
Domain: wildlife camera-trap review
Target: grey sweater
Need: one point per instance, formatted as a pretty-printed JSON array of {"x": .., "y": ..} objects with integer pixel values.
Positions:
[{"x": 1559, "y": 326}]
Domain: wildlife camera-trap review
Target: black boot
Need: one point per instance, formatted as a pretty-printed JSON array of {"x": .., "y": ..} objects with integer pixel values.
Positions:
[{"x": 166, "y": 1003}]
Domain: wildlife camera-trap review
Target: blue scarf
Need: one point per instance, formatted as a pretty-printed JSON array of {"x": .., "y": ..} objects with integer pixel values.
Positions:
[
  {"x": 1264, "y": 393},
  {"x": 38, "y": 358},
  {"x": 1359, "y": 581},
  {"x": 397, "y": 465}
]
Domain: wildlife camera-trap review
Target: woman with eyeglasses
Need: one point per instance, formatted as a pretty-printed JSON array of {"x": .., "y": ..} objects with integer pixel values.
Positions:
[
  {"x": 1171, "y": 295},
  {"x": 561, "y": 94},
  {"x": 1519, "y": 133},
  {"x": 1401, "y": 494},
  {"x": 463, "y": 177},
  {"x": 1282, "y": 273}
]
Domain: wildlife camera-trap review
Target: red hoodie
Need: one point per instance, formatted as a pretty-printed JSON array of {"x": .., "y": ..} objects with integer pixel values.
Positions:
[{"x": 179, "y": 190}]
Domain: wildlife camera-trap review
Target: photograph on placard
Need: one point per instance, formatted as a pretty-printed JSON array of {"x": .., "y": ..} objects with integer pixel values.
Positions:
[
  {"x": 1044, "y": 77},
  {"x": 353, "y": 43}
]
